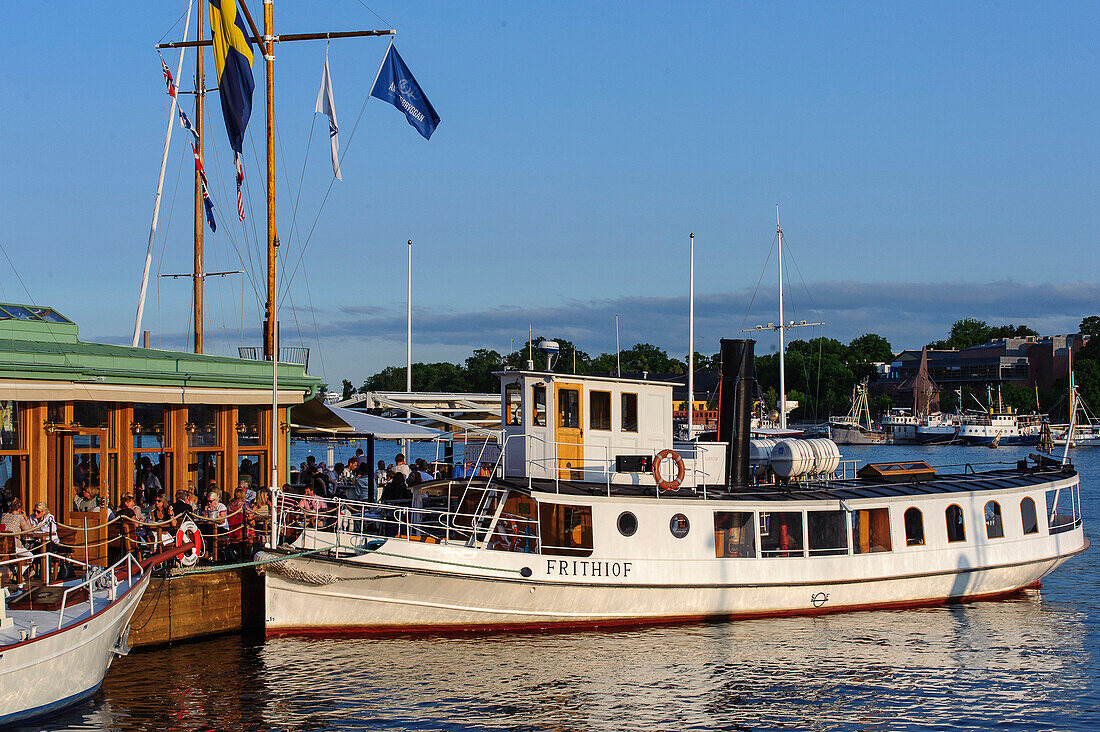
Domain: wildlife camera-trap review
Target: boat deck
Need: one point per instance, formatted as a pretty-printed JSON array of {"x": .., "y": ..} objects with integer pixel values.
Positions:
[{"x": 831, "y": 490}]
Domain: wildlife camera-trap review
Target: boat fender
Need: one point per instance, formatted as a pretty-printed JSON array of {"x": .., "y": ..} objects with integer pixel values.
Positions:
[
  {"x": 663, "y": 483},
  {"x": 189, "y": 532}
]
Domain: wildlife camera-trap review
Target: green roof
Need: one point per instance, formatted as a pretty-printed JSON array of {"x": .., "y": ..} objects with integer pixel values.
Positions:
[{"x": 39, "y": 343}]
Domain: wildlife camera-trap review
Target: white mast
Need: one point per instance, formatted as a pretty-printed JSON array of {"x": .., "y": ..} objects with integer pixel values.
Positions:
[
  {"x": 275, "y": 377},
  {"x": 618, "y": 363},
  {"x": 409, "y": 325},
  {"x": 782, "y": 324},
  {"x": 1072, "y": 406},
  {"x": 691, "y": 337},
  {"x": 160, "y": 187}
]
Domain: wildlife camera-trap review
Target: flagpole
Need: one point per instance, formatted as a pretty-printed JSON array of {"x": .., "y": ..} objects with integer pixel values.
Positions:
[
  {"x": 409, "y": 325},
  {"x": 691, "y": 337},
  {"x": 618, "y": 350},
  {"x": 160, "y": 188}
]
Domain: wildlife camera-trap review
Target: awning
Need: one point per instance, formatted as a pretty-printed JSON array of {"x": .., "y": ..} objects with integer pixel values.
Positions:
[{"x": 314, "y": 418}]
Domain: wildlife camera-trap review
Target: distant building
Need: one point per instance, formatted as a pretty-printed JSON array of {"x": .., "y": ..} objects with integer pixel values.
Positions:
[{"x": 1023, "y": 362}]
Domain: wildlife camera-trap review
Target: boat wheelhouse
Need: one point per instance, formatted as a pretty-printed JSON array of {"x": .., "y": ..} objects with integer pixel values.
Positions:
[{"x": 619, "y": 528}]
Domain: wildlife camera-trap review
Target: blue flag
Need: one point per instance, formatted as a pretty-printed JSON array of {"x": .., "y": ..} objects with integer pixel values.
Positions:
[
  {"x": 233, "y": 58},
  {"x": 397, "y": 86}
]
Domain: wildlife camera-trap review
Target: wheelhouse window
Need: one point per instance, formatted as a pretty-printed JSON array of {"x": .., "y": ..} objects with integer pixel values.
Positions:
[
  {"x": 956, "y": 530},
  {"x": 566, "y": 530},
  {"x": 599, "y": 410},
  {"x": 828, "y": 533},
  {"x": 1027, "y": 516},
  {"x": 569, "y": 408},
  {"x": 781, "y": 534},
  {"x": 538, "y": 400},
  {"x": 734, "y": 534},
  {"x": 629, "y": 414},
  {"x": 512, "y": 413},
  {"x": 914, "y": 527},
  {"x": 871, "y": 530},
  {"x": 994, "y": 528}
]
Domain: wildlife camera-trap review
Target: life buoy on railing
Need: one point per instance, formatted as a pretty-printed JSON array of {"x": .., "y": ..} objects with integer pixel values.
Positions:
[
  {"x": 189, "y": 532},
  {"x": 662, "y": 482}
]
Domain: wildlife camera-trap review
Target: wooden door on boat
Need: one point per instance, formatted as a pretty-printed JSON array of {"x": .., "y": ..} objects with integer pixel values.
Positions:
[{"x": 568, "y": 433}]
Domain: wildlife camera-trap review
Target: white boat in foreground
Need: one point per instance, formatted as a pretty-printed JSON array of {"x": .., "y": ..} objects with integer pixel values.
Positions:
[
  {"x": 58, "y": 640},
  {"x": 595, "y": 518}
]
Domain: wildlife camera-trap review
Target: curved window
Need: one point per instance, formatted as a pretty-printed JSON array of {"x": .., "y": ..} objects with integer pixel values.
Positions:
[
  {"x": 628, "y": 523},
  {"x": 914, "y": 527},
  {"x": 994, "y": 528},
  {"x": 956, "y": 531},
  {"x": 1027, "y": 515}
]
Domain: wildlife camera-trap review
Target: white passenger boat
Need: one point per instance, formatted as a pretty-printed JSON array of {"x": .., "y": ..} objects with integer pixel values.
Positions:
[
  {"x": 595, "y": 518},
  {"x": 58, "y": 640}
]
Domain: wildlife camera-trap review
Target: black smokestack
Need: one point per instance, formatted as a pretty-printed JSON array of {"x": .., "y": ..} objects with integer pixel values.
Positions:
[{"x": 735, "y": 407}]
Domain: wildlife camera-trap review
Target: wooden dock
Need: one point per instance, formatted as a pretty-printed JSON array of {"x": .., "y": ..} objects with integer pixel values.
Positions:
[{"x": 203, "y": 602}]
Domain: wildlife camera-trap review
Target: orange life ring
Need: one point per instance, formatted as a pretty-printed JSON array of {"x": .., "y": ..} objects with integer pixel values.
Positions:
[
  {"x": 189, "y": 532},
  {"x": 662, "y": 483}
]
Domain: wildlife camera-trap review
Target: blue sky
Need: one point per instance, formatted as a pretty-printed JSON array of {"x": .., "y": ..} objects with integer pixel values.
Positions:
[{"x": 932, "y": 161}]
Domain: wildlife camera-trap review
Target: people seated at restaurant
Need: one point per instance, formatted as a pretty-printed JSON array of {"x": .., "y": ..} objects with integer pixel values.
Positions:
[
  {"x": 242, "y": 527},
  {"x": 348, "y": 475},
  {"x": 162, "y": 513},
  {"x": 261, "y": 509},
  {"x": 184, "y": 504},
  {"x": 381, "y": 475},
  {"x": 45, "y": 526},
  {"x": 422, "y": 469},
  {"x": 399, "y": 466},
  {"x": 397, "y": 489},
  {"x": 360, "y": 488},
  {"x": 86, "y": 499},
  {"x": 15, "y": 521},
  {"x": 312, "y": 505},
  {"x": 128, "y": 514}
]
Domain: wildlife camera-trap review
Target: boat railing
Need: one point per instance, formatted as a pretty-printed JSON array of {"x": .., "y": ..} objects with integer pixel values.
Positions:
[{"x": 354, "y": 524}]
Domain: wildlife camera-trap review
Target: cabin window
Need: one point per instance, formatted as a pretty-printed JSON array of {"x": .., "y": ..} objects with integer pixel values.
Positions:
[
  {"x": 781, "y": 534},
  {"x": 513, "y": 414},
  {"x": 1063, "y": 510},
  {"x": 599, "y": 410},
  {"x": 1027, "y": 515},
  {"x": 956, "y": 531},
  {"x": 628, "y": 523},
  {"x": 566, "y": 530},
  {"x": 9, "y": 425},
  {"x": 679, "y": 526},
  {"x": 734, "y": 534},
  {"x": 994, "y": 528},
  {"x": 871, "y": 530},
  {"x": 828, "y": 533},
  {"x": 569, "y": 408},
  {"x": 538, "y": 399},
  {"x": 629, "y": 414},
  {"x": 914, "y": 527}
]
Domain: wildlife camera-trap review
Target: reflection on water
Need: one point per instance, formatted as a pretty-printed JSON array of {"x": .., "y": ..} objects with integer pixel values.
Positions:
[
  {"x": 1020, "y": 663},
  {"x": 1026, "y": 663}
]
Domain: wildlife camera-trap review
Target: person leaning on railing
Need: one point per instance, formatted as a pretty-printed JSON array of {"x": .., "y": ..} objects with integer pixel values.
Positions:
[
  {"x": 242, "y": 527},
  {"x": 127, "y": 524},
  {"x": 161, "y": 513}
]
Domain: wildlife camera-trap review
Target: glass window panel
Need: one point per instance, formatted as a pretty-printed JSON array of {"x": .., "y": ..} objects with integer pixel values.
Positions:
[
  {"x": 781, "y": 534},
  {"x": 828, "y": 532},
  {"x": 871, "y": 531},
  {"x": 9, "y": 425},
  {"x": 55, "y": 412},
  {"x": 11, "y": 479},
  {"x": 569, "y": 408},
  {"x": 734, "y": 534},
  {"x": 566, "y": 530},
  {"x": 207, "y": 468},
  {"x": 1028, "y": 517},
  {"x": 248, "y": 426},
  {"x": 147, "y": 427},
  {"x": 150, "y": 476},
  {"x": 249, "y": 469},
  {"x": 599, "y": 410},
  {"x": 512, "y": 410},
  {"x": 956, "y": 529},
  {"x": 994, "y": 527},
  {"x": 202, "y": 422},
  {"x": 538, "y": 414},
  {"x": 914, "y": 527},
  {"x": 90, "y": 414},
  {"x": 629, "y": 414}
]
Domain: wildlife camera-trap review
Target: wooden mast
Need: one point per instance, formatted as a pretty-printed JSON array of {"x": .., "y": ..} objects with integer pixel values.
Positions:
[
  {"x": 272, "y": 239},
  {"x": 200, "y": 215}
]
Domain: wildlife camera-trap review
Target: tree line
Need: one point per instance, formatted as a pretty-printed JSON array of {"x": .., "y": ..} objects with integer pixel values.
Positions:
[{"x": 820, "y": 372}]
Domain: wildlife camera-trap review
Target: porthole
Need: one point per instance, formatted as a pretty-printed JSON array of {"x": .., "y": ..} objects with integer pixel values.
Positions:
[
  {"x": 628, "y": 523},
  {"x": 679, "y": 526}
]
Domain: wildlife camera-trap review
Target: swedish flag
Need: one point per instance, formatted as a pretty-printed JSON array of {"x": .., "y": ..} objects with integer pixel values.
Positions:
[{"x": 233, "y": 57}]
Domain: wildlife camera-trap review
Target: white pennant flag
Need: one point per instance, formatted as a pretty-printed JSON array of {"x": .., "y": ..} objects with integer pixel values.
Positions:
[{"x": 326, "y": 107}]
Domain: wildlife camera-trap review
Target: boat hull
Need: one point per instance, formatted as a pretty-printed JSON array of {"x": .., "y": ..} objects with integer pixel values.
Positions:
[
  {"x": 362, "y": 598},
  {"x": 59, "y": 669},
  {"x": 1007, "y": 440},
  {"x": 853, "y": 436}
]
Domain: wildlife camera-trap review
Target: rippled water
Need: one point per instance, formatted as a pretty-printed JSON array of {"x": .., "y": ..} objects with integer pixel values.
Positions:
[{"x": 1031, "y": 662}]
